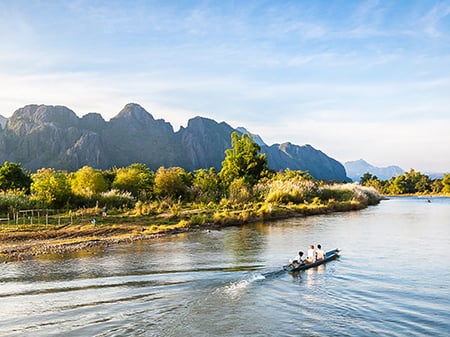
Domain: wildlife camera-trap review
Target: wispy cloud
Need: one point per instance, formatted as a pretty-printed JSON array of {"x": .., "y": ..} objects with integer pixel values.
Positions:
[
  {"x": 432, "y": 21},
  {"x": 319, "y": 72}
]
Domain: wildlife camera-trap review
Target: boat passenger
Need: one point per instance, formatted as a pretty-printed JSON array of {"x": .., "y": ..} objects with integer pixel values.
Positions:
[
  {"x": 320, "y": 254},
  {"x": 310, "y": 255},
  {"x": 298, "y": 259}
]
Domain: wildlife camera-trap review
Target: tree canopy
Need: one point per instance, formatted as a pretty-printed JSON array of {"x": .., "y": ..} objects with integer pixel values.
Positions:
[
  {"x": 88, "y": 181},
  {"x": 12, "y": 177},
  {"x": 137, "y": 179},
  {"x": 50, "y": 187},
  {"x": 243, "y": 160}
]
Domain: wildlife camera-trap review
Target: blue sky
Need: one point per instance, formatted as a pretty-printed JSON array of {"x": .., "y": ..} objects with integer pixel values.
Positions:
[{"x": 355, "y": 79}]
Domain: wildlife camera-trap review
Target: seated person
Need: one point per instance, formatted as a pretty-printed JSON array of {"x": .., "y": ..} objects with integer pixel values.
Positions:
[
  {"x": 320, "y": 254},
  {"x": 298, "y": 259},
  {"x": 310, "y": 258}
]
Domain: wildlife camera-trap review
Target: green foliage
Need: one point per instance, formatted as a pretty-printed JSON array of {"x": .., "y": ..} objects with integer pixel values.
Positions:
[
  {"x": 172, "y": 182},
  {"x": 206, "y": 186},
  {"x": 50, "y": 187},
  {"x": 446, "y": 183},
  {"x": 116, "y": 199},
  {"x": 239, "y": 191},
  {"x": 12, "y": 177},
  {"x": 137, "y": 179},
  {"x": 14, "y": 200},
  {"x": 337, "y": 194},
  {"x": 367, "y": 178},
  {"x": 146, "y": 208},
  {"x": 243, "y": 160},
  {"x": 410, "y": 183},
  {"x": 88, "y": 182},
  {"x": 296, "y": 174}
]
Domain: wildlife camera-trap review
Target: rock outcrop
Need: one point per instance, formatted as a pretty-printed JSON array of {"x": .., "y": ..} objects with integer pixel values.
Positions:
[{"x": 38, "y": 136}]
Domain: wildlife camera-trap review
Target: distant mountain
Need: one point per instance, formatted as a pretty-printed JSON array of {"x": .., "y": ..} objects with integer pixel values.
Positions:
[
  {"x": 356, "y": 169},
  {"x": 434, "y": 175},
  {"x": 256, "y": 138},
  {"x": 2, "y": 121},
  {"x": 38, "y": 136}
]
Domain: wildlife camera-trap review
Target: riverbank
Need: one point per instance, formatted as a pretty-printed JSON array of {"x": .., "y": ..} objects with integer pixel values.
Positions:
[{"x": 18, "y": 243}]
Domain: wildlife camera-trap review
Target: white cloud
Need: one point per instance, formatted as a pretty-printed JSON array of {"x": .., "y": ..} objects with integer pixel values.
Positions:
[{"x": 297, "y": 72}]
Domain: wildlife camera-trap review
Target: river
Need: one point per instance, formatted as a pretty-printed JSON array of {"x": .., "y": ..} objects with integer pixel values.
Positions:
[{"x": 392, "y": 279}]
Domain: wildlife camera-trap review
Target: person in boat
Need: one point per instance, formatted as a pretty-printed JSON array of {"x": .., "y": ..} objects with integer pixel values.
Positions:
[
  {"x": 320, "y": 254},
  {"x": 299, "y": 259},
  {"x": 310, "y": 255}
]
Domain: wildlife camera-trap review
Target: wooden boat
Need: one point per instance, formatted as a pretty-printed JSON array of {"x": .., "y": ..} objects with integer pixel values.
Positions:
[{"x": 330, "y": 255}]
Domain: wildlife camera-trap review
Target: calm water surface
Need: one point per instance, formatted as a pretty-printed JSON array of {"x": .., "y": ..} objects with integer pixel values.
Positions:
[{"x": 393, "y": 279}]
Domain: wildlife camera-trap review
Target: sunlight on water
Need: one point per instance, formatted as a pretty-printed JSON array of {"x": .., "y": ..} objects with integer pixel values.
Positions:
[{"x": 392, "y": 279}]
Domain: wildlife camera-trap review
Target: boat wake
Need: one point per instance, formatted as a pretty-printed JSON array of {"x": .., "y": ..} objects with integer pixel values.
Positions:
[{"x": 235, "y": 289}]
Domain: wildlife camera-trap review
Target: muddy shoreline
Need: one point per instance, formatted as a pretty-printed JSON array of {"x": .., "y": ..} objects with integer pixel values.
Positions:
[{"x": 23, "y": 246}]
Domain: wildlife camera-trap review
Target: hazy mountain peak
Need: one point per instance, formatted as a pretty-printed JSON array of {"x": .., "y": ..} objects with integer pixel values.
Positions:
[{"x": 357, "y": 168}]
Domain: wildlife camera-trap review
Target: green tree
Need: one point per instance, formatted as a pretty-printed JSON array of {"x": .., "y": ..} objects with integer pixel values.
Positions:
[
  {"x": 423, "y": 184},
  {"x": 50, "y": 187},
  {"x": 446, "y": 183},
  {"x": 12, "y": 177},
  {"x": 243, "y": 160},
  {"x": 366, "y": 177},
  {"x": 88, "y": 181},
  {"x": 398, "y": 185},
  {"x": 436, "y": 186},
  {"x": 206, "y": 186},
  {"x": 137, "y": 179},
  {"x": 172, "y": 182}
]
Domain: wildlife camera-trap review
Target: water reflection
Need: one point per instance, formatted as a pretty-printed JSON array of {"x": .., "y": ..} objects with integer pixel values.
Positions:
[{"x": 230, "y": 282}]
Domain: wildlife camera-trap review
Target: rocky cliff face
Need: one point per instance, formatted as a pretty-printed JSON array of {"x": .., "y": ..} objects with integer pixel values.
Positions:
[
  {"x": 204, "y": 142},
  {"x": 305, "y": 158},
  {"x": 53, "y": 136}
]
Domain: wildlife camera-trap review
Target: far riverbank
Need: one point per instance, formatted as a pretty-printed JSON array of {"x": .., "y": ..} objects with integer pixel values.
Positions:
[{"x": 18, "y": 243}]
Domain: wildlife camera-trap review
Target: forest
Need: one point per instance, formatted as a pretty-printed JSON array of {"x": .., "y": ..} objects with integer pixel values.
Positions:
[{"x": 412, "y": 182}]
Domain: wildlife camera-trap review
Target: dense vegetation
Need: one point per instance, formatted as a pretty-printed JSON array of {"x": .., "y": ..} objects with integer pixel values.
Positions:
[
  {"x": 244, "y": 189},
  {"x": 412, "y": 182}
]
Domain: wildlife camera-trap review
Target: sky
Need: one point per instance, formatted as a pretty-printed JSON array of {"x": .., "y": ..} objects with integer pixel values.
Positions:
[{"x": 355, "y": 79}]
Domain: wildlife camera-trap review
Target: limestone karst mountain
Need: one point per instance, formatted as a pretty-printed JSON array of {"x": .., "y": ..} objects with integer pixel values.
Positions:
[{"x": 39, "y": 136}]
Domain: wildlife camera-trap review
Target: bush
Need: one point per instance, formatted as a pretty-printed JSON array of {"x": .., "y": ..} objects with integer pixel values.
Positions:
[
  {"x": 14, "y": 200},
  {"x": 240, "y": 192},
  {"x": 116, "y": 199}
]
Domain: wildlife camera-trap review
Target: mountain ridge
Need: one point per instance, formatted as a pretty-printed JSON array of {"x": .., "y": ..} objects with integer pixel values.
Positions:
[
  {"x": 357, "y": 168},
  {"x": 38, "y": 136}
]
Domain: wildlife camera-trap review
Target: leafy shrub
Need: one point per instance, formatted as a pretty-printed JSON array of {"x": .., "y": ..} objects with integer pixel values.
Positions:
[{"x": 14, "y": 200}]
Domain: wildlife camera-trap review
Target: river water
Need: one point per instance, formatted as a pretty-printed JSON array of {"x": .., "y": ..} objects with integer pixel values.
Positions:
[{"x": 392, "y": 279}]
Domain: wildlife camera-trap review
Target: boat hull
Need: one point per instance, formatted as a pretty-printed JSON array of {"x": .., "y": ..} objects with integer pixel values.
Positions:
[{"x": 330, "y": 255}]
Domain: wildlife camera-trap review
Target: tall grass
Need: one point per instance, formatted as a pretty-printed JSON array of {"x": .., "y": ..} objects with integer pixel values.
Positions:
[{"x": 283, "y": 191}]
